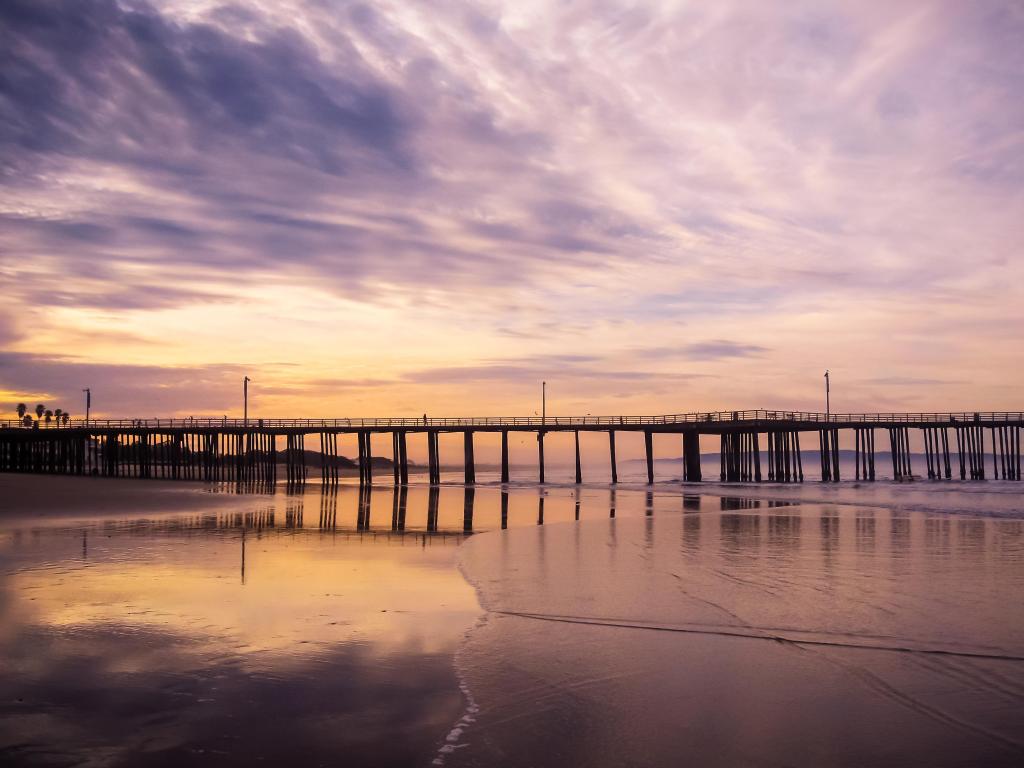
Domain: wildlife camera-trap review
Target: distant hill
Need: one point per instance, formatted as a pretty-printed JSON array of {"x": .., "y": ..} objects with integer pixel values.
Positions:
[
  {"x": 161, "y": 450},
  {"x": 312, "y": 459}
]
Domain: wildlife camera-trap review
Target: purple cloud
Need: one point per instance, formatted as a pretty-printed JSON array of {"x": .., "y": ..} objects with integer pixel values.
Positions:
[{"x": 747, "y": 186}]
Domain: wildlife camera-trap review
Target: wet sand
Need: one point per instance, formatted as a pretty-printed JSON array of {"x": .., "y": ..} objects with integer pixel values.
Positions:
[
  {"x": 744, "y": 633},
  {"x": 232, "y": 634},
  {"x": 150, "y": 623},
  {"x": 38, "y": 497}
]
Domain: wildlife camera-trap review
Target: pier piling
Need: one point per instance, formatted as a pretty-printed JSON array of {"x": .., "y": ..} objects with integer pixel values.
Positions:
[
  {"x": 649, "y": 452},
  {"x": 469, "y": 460},
  {"x": 611, "y": 451},
  {"x": 540, "y": 454},
  {"x": 579, "y": 467},
  {"x": 691, "y": 456},
  {"x": 504, "y": 455}
]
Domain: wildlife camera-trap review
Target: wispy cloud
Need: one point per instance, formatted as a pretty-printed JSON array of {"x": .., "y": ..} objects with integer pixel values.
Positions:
[
  {"x": 141, "y": 390},
  {"x": 457, "y": 193},
  {"x": 581, "y": 371},
  {"x": 715, "y": 349}
]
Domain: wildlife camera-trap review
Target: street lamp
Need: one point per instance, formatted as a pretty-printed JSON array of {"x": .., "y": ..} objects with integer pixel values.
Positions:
[
  {"x": 543, "y": 402},
  {"x": 245, "y": 396},
  {"x": 88, "y": 404},
  {"x": 827, "y": 407}
]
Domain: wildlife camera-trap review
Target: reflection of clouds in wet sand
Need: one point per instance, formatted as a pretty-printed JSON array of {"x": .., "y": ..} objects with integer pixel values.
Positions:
[
  {"x": 110, "y": 693},
  {"x": 155, "y": 641},
  {"x": 295, "y": 590}
]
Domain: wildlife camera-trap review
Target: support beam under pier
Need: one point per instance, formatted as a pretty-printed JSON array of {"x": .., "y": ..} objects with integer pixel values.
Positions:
[
  {"x": 611, "y": 451},
  {"x": 691, "y": 456},
  {"x": 469, "y": 460},
  {"x": 504, "y": 455},
  {"x": 579, "y": 467},
  {"x": 540, "y": 454},
  {"x": 403, "y": 459},
  {"x": 433, "y": 468},
  {"x": 649, "y": 452}
]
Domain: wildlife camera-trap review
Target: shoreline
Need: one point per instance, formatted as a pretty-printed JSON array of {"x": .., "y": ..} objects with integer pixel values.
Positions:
[
  {"x": 49, "y": 497},
  {"x": 45, "y": 497}
]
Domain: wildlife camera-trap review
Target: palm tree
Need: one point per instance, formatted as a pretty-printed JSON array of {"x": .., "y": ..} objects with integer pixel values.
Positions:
[
  {"x": 67, "y": 417},
  {"x": 49, "y": 416},
  {"x": 58, "y": 413},
  {"x": 26, "y": 421},
  {"x": 40, "y": 410},
  {"x": 21, "y": 410}
]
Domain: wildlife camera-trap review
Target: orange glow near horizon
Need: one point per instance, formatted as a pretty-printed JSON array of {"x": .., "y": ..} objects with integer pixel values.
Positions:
[{"x": 363, "y": 235}]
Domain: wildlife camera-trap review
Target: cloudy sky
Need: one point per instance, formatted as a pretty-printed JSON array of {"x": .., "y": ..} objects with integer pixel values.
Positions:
[{"x": 393, "y": 208}]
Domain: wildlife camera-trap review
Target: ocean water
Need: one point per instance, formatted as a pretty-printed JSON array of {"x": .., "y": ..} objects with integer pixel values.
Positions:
[{"x": 858, "y": 624}]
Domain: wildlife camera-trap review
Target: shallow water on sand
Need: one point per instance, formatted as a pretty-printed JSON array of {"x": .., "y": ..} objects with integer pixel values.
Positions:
[
  {"x": 236, "y": 637},
  {"x": 629, "y": 626},
  {"x": 741, "y": 632}
]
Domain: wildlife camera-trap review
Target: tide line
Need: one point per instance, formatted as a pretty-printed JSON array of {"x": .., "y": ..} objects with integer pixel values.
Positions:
[{"x": 752, "y": 633}]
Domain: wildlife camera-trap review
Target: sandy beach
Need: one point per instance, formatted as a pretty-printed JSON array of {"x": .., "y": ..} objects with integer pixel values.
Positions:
[
  {"x": 41, "y": 497},
  {"x": 744, "y": 632},
  {"x": 151, "y": 623}
]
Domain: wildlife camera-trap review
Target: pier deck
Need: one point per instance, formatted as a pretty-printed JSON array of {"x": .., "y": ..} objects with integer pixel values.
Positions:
[{"x": 216, "y": 449}]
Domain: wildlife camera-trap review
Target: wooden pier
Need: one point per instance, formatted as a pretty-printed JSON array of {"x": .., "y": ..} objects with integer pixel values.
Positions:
[{"x": 251, "y": 451}]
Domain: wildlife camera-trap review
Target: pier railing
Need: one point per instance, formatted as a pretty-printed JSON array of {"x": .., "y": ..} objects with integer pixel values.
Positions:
[{"x": 790, "y": 417}]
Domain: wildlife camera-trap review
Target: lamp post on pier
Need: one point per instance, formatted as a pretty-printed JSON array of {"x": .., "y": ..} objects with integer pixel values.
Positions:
[
  {"x": 88, "y": 404},
  {"x": 543, "y": 402},
  {"x": 827, "y": 406},
  {"x": 245, "y": 397}
]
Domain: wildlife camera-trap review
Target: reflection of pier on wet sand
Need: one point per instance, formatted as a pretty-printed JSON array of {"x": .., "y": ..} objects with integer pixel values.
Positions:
[{"x": 426, "y": 514}]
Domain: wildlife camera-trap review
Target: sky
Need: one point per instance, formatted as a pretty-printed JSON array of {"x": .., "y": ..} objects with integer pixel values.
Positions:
[{"x": 389, "y": 208}]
